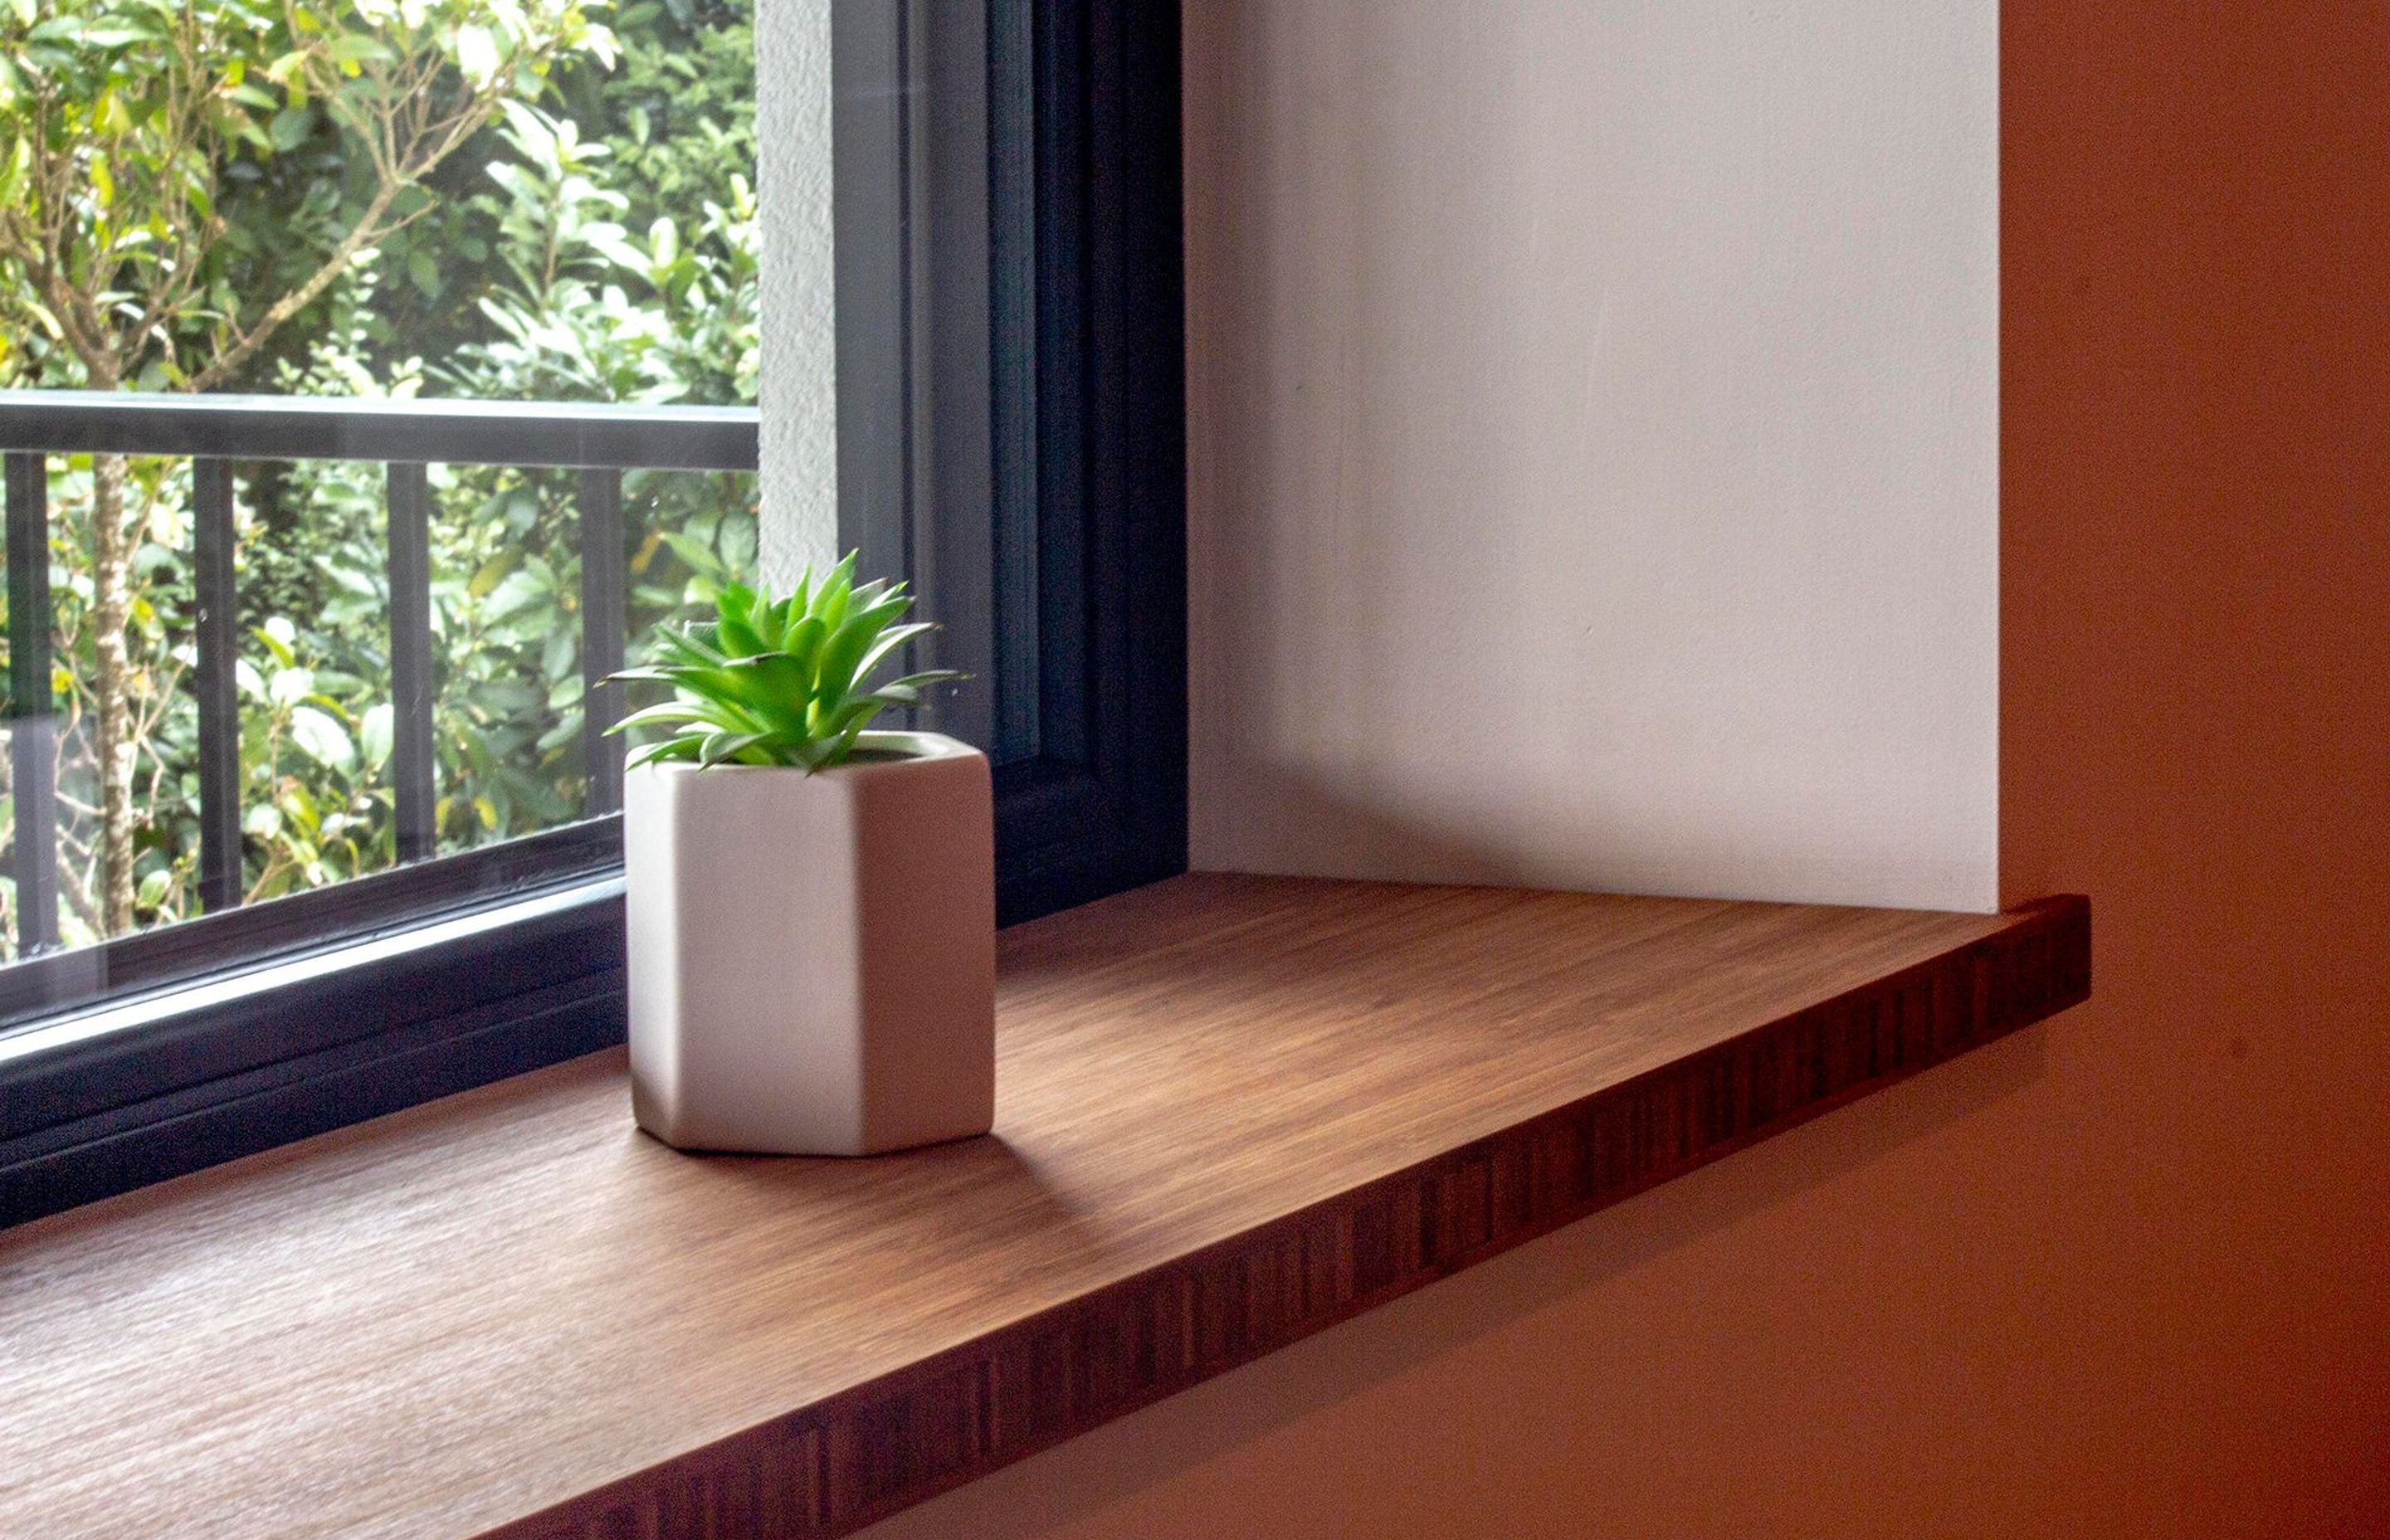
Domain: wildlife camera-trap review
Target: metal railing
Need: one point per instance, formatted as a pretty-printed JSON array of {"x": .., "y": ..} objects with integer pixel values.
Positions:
[{"x": 601, "y": 441}]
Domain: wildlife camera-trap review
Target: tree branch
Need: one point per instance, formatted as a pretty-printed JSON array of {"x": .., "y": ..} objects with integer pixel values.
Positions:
[{"x": 366, "y": 230}]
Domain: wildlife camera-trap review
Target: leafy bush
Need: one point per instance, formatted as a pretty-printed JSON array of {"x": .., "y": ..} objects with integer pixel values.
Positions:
[
  {"x": 779, "y": 680},
  {"x": 154, "y": 235},
  {"x": 593, "y": 239}
]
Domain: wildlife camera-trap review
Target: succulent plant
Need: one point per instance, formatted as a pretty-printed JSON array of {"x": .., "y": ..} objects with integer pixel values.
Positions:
[{"x": 779, "y": 681}]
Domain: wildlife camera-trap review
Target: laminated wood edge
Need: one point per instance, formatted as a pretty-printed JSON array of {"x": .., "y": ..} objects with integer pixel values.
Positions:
[{"x": 857, "y": 1456}]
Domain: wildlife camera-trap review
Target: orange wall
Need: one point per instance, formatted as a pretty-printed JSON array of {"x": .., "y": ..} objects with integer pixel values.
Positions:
[
  {"x": 2126, "y": 1275},
  {"x": 2195, "y": 722}
]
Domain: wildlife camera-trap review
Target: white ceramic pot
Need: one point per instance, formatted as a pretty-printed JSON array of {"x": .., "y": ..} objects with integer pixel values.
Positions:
[{"x": 813, "y": 956}]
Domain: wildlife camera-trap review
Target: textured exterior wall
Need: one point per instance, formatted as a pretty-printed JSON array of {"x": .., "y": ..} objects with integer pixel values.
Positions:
[{"x": 800, "y": 394}]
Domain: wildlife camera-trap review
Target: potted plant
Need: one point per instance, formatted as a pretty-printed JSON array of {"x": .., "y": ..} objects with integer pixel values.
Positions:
[{"x": 811, "y": 903}]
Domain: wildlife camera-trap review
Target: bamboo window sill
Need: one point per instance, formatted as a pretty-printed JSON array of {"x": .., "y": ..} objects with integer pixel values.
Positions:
[{"x": 1232, "y": 1111}]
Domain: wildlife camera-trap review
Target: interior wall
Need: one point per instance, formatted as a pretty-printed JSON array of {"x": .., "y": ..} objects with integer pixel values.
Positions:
[
  {"x": 1593, "y": 444},
  {"x": 2124, "y": 1274}
]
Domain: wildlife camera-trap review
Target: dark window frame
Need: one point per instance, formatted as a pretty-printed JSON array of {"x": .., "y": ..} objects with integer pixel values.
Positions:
[{"x": 1093, "y": 502}]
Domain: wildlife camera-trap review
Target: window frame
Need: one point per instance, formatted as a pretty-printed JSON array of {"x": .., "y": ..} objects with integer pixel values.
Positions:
[{"x": 109, "y": 1098}]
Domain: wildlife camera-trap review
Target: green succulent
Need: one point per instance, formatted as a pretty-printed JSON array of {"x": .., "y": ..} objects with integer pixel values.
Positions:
[{"x": 779, "y": 681}]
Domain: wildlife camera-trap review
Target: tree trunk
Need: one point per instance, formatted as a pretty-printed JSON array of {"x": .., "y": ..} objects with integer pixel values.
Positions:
[{"x": 112, "y": 687}]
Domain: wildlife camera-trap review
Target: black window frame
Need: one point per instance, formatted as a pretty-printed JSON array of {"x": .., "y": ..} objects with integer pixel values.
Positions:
[{"x": 1084, "y": 495}]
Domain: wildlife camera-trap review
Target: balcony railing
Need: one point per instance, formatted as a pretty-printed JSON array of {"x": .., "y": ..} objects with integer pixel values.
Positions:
[{"x": 601, "y": 441}]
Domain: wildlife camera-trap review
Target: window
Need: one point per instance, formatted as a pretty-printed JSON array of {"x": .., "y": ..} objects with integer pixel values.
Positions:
[{"x": 1008, "y": 433}]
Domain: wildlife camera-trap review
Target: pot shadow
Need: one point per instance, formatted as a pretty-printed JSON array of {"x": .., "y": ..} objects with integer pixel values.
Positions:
[{"x": 977, "y": 1197}]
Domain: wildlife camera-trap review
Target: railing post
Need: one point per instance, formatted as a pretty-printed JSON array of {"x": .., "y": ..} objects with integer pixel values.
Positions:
[
  {"x": 605, "y": 617},
  {"x": 410, "y": 657},
  {"x": 32, "y": 752},
  {"x": 216, "y": 683}
]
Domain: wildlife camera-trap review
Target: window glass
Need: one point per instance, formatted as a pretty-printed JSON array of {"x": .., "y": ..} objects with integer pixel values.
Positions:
[{"x": 395, "y": 203}]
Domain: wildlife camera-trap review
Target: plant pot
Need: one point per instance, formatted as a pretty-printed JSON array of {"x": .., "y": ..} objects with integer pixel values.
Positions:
[{"x": 813, "y": 956}]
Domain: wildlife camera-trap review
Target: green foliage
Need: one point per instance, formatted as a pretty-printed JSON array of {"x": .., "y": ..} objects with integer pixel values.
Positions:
[
  {"x": 563, "y": 323},
  {"x": 779, "y": 680},
  {"x": 592, "y": 239},
  {"x": 129, "y": 130}
]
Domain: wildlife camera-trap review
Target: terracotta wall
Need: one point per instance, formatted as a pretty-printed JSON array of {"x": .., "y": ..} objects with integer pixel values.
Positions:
[{"x": 2128, "y": 1274}]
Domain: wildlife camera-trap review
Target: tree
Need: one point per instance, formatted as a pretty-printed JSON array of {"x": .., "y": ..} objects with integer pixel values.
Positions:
[{"x": 127, "y": 128}]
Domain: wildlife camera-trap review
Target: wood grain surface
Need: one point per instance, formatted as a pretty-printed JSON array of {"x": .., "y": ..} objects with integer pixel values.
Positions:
[{"x": 1231, "y": 1111}]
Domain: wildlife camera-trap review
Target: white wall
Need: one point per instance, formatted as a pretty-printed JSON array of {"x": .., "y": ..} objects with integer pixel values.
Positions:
[
  {"x": 799, "y": 514},
  {"x": 1592, "y": 425}
]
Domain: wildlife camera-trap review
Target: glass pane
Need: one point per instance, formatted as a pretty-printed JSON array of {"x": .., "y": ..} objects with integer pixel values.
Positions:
[{"x": 548, "y": 204}]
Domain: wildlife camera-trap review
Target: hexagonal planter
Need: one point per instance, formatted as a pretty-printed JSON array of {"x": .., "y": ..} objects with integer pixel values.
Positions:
[{"x": 813, "y": 956}]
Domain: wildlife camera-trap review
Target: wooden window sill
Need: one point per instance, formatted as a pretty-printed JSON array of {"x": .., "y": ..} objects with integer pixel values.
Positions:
[{"x": 1232, "y": 1111}]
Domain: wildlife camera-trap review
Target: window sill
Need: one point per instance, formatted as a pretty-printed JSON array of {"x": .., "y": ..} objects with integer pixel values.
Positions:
[{"x": 1231, "y": 1111}]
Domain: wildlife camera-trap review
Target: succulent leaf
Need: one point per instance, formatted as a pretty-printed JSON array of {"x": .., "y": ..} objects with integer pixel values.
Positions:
[{"x": 779, "y": 681}]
